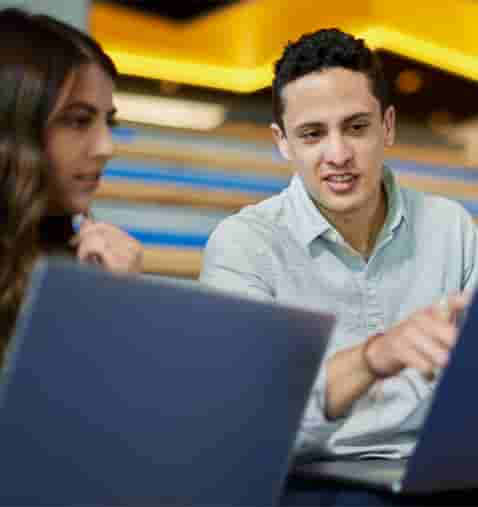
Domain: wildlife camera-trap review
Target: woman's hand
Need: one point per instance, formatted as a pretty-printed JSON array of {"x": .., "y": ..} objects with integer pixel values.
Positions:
[{"x": 108, "y": 246}]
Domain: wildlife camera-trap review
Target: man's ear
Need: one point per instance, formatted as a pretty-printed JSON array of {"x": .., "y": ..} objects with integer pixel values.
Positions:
[
  {"x": 280, "y": 140},
  {"x": 389, "y": 125}
]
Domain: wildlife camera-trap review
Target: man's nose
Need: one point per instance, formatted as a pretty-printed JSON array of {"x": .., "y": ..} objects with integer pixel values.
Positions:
[{"x": 336, "y": 152}]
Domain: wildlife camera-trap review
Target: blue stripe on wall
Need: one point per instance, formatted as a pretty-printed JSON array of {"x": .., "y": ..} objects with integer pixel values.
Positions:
[
  {"x": 451, "y": 173},
  {"x": 149, "y": 237},
  {"x": 197, "y": 178},
  {"x": 124, "y": 134}
]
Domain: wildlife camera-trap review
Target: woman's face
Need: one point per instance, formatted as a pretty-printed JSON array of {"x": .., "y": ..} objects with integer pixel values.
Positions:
[{"x": 78, "y": 140}]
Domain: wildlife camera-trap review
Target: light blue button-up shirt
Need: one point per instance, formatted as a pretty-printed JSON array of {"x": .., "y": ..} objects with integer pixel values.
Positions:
[{"x": 284, "y": 250}]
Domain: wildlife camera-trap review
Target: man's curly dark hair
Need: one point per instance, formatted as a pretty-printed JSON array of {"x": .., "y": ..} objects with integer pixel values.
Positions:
[{"x": 325, "y": 49}]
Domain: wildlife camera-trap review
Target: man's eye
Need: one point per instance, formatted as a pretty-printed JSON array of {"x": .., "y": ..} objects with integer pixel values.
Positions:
[
  {"x": 358, "y": 128},
  {"x": 311, "y": 134}
]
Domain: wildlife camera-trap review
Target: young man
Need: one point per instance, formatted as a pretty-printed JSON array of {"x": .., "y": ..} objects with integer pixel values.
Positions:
[{"x": 394, "y": 265}]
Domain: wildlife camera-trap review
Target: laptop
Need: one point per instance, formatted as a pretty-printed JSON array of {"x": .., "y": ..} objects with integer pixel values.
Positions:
[
  {"x": 446, "y": 455},
  {"x": 121, "y": 391}
]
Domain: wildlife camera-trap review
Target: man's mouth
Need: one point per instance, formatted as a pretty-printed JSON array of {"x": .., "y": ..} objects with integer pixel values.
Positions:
[
  {"x": 342, "y": 182},
  {"x": 340, "y": 177}
]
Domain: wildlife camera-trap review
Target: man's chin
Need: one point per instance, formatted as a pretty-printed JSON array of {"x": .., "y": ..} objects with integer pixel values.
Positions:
[{"x": 338, "y": 206}]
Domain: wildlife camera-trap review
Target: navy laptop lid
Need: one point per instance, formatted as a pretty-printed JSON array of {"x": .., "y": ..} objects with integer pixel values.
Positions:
[{"x": 122, "y": 391}]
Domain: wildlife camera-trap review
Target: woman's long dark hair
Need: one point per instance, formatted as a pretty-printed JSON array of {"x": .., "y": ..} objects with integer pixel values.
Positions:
[{"x": 37, "y": 54}]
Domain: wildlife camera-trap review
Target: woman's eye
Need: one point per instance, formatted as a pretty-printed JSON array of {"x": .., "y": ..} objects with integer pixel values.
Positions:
[{"x": 77, "y": 122}]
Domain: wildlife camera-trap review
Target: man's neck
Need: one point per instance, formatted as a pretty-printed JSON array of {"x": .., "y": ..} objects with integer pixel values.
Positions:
[{"x": 361, "y": 229}]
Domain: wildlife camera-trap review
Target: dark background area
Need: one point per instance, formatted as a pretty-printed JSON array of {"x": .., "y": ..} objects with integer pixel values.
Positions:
[{"x": 179, "y": 10}]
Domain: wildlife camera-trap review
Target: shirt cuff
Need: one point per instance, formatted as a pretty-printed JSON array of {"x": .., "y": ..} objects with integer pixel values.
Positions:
[{"x": 316, "y": 429}]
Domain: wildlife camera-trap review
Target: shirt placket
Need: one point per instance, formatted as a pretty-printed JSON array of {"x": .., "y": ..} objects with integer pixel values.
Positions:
[{"x": 374, "y": 306}]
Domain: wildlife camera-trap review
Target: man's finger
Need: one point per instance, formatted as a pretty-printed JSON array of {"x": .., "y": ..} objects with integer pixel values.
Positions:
[
  {"x": 413, "y": 358},
  {"x": 458, "y": 302},
  {"x": 432, "y": 325},
  {"x": 450, "y": 307},
  {"x": 432, "y": 350}
]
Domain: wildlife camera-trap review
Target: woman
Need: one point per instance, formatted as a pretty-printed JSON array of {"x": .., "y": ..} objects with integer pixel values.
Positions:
[{"x": 56, "y": 112}]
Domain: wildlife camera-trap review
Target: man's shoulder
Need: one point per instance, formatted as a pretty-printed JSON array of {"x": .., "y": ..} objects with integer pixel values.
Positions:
[
  {"x": 422, "y": 206},
  {"x": 262, "y": 218}
]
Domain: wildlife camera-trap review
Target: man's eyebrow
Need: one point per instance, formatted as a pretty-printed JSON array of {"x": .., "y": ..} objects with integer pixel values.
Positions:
[
  {"x": 310, "y": 125},
  {"x": 363, "y": 115}
]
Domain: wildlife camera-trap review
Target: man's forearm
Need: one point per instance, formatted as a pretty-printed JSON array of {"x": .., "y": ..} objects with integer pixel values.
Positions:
[{"x": 348, "y": 378}]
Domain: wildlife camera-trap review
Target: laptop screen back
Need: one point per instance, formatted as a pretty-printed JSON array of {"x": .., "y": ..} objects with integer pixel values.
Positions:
[{"x": 125, "y": 392}]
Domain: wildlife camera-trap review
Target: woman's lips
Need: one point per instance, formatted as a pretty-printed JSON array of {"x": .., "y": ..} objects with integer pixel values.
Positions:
[{"x": 88, "y": 181}]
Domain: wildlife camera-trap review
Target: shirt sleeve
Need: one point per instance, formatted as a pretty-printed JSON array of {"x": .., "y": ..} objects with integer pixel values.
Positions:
[
  {"x": 470, "y": 245},
  {"x": 315, "y": 430},
  {"x": 237, "y": 259}
]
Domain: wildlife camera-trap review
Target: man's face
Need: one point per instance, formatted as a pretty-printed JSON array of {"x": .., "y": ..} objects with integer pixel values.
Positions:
[{"x": 334, "y": 136}]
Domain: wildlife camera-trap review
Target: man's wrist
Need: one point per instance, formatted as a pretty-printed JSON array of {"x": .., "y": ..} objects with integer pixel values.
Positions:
[{"x": 366, "y": 356}]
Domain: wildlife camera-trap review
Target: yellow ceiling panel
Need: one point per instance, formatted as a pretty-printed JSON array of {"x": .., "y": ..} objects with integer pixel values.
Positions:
[{"x": 234, "y": 48}]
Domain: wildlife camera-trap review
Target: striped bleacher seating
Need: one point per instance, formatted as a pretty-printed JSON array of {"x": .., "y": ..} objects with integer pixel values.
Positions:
[{"x": 170, "y": 190}]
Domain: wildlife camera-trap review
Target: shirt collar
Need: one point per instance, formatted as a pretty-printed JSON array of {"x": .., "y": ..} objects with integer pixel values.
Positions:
[
  {"x": 309, "y": 223},
  {"x": 397, "y": 210}
]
